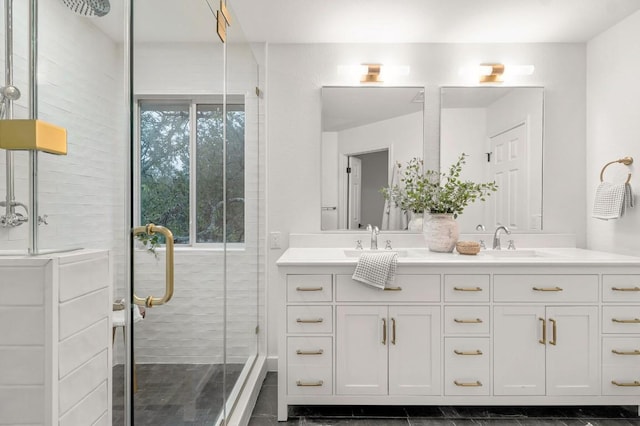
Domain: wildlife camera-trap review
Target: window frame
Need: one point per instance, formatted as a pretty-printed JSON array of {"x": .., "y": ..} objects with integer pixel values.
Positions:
[{"x": 192, "y": 102}]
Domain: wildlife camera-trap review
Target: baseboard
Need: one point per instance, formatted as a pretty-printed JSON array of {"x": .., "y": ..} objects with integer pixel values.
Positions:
[
  {"x": 272, "y": 363},
  {"x": 247, "y": 399}
]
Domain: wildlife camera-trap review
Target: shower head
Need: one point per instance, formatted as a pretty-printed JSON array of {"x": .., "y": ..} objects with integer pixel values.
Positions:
[
  {"x": 89, "y": 7},
  {"x": 11, "y": 93}
]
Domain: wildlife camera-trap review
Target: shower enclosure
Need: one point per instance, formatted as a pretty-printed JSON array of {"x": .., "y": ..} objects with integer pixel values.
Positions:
[{"x": 163, "y": 125}]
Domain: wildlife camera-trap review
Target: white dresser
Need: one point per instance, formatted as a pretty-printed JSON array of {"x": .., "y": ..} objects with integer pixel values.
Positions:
[
  {"x": 461, "y": 330},
  {"x": 55, "y": 339}
]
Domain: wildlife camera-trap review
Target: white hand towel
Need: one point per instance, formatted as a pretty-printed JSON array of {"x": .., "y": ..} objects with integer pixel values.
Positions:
[
  {"x": 611, "y": 200},
  {"x": 376, "y": 269}
]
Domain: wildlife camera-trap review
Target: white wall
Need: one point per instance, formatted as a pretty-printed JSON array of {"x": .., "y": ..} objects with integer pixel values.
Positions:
[
  {"x": 297, "y": 72},
  {"x": 613, "y": 128},
  {"x": 79, "y": 88}
]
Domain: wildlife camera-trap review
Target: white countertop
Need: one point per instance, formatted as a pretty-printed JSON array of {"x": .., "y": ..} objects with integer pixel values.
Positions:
[{"x": 298, "y": 256}]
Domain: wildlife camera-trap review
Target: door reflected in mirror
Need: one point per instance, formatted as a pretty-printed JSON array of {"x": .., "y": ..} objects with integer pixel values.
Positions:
[
  {"x": 365, "y": 131},
  {"x": 501, "y": 128}
]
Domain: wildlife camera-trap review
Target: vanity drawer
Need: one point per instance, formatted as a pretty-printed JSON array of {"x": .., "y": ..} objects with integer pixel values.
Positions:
[
  {"x": 309, "y": 319},
  {"x": 621, "y": 319},
  {"x": 621, "y": 352},
  {"x": 466, "y": 319},
  {"x": 406, "y": 288},
  {"x": 309, "y": 366},
  {"x": 309, "y": 288},
  {"x": 466, "y": 288},
  {"x": 545, "y": 288},
  {"x": 467, "y": 366},
  {"x": 621, "y": 288},
  {"x": 627, "y": 381},
  {"x": 309, "y": 351}
]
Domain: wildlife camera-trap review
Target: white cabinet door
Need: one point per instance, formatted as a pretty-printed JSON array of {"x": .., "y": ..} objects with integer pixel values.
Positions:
[
  {"x": 361, "y": 350},
  {"x": 414, "y": 350},
  {"x": 518, "y": 354},
  {"x": 572, "y": 362}
]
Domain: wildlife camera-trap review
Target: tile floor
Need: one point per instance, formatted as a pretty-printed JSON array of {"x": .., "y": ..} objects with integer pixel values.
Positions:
[
  {"x": 264, "y": 414},
  {"x": 175, "y": 394}
]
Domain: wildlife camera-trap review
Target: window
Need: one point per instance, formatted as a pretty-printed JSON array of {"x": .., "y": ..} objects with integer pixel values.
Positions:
[{"x": 182, "y": 174}]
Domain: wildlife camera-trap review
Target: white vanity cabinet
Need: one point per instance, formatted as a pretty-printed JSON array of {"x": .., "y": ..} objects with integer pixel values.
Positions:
[
  {"x": 55, "y": 339},
  {"x": 384, "y": 350},
  {"x": 462, "y": 332}
]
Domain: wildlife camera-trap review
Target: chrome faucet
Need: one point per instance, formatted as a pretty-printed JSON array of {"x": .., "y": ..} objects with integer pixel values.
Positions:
[
  {"x": 496, "y": 236},
  {"x": 374, "y": 236}
]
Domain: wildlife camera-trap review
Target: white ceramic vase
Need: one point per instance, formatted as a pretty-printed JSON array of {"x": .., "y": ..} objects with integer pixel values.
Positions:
[
  {"x": 416, "y": 224},
  {"x": 441, "y": 232}
]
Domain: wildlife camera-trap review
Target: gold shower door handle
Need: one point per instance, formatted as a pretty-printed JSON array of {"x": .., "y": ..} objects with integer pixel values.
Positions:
[{"x": 151, "y": 301}]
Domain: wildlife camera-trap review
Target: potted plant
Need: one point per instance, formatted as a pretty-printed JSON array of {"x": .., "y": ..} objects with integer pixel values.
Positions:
[{"x": 443, "y": 195}]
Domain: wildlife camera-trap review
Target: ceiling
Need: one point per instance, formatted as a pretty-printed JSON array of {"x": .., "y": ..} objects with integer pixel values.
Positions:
[{"x": 376, "y": 21}]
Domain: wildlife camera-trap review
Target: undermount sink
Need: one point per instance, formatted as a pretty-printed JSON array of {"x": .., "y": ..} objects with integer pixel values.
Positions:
[
  {"x": 357, "y": 253},
  {"x": 514, "y": 253}
]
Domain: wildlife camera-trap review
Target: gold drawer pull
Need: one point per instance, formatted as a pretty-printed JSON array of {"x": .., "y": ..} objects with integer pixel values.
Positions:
[
  {"x": 554, "y": 332},
  {"x": 468, "y": 384},
  {"x": 476, "y": 352},
  {"x": 301, "y": 383},
  {"x": 467, "y": 289},
  {"x": 309, "y": 320},
  {"x": 636, "y": 288},
  {"x": 547, "y": 288},
  {"x": 316, "y": 352},
  {"x": 634, "y": 383},
  {"x": 468, "y": 321},
  {"x": 393, "y": 289},
  {"x": 309, "y": 288},
  {"x": 626, "y": 321},
  {"x": 544, "y": 331},
  {"x": 633, "y": 352}
]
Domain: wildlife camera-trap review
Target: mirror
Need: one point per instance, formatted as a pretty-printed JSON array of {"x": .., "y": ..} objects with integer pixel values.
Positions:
[
  {"x": 501, "y": 128},
  {"x": 365, "y": 131}
]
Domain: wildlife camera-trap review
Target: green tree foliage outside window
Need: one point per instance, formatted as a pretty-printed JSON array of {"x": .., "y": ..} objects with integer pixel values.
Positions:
[{"x": 165, "y": 131}]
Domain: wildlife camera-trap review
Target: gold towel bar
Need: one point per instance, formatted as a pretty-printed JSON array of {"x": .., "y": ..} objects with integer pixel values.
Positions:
[{"x": 627, "y": 161}]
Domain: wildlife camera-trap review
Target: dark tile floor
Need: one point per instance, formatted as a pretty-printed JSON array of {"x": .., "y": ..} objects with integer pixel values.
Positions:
[
  {"x": 265, "y": 411},
  {"x": 175, "y": 394}
]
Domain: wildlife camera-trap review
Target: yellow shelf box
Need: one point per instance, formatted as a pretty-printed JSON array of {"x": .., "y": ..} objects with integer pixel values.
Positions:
[{"x": 33, "y": 135}]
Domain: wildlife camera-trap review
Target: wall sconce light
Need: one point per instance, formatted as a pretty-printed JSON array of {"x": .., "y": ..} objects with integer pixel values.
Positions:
[
  {"x": 372, "y": 73},
  {"x": 495, "y": 73}
]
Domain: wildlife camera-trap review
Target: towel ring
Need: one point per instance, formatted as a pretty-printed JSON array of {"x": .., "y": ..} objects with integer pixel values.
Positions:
[{"x": 626, "y": 161}]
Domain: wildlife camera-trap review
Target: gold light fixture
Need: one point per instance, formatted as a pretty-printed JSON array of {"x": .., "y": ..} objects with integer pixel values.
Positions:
[
  {"x": 33, "y": 135},
  {"x": 372, "y": 73},
  {"x": 491, "y": 73}
]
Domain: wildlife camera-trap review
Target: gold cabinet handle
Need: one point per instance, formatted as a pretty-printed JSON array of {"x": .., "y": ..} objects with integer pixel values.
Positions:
[
  {"x": 301, "y": 383},
  {"x": 634, "y": 383},
  {"x": 468, "y": 321},
  {"x": 547, "y": 288},
  {"x": 626, "y": 321},
  {"x": 384, "y": 331},
  {"x": 393, "y": 289},
  {"x": 633, "y": 352},
  {"x": 309, "y": 320},
  {"x": 316, "y": 352},
  {"x": 544, "y": 331},
  {"x": 476, "y": 352},
  {"x": 309, "y": 288},
  {"x": 393, "y": 331},
  {"x": 554, "y": 331},
  {"x": 467, "y": 289},
  {"x": 468, "y": 384},
  {"x": 636, "y": 288},
  {"x": 151, "y": 229}
]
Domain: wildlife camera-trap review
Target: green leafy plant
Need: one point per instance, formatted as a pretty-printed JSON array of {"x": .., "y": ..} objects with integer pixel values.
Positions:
[
  {"x": 435, "y": 192},
  {"x": 149, "y": 242}
]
